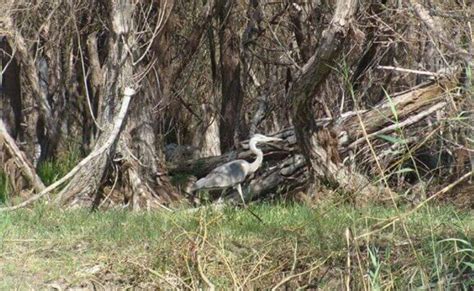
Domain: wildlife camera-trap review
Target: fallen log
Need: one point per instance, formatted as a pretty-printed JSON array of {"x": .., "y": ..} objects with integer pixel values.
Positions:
[{"x": 285, "y": 168}]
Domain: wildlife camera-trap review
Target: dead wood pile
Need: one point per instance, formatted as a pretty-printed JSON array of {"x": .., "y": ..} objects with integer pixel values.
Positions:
[{"x": 381, "y": 141}]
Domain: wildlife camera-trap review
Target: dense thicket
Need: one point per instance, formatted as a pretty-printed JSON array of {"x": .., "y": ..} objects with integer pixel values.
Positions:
[{"x": 373, "y": 98}]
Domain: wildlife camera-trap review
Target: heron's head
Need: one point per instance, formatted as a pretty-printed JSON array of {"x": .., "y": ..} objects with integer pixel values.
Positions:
[{"x": 262, "y": 138}]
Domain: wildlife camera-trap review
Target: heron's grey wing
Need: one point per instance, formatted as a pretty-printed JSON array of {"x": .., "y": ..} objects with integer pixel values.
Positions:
[
  {"x": 224, "y": 176},
  {"x": 232, "y": 167}
]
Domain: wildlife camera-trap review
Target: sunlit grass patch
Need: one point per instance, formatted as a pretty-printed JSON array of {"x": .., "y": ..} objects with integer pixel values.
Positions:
[{"x": 231, "y": 248}]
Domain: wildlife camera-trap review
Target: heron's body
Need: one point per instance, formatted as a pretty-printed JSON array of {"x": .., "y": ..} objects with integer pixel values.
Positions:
[
  {"x": 226, "y": 175},
  {"x": 232, "y": 174}
]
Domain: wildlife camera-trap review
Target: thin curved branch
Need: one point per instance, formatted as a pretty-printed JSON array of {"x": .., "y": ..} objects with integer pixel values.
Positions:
[{"x": 117, "y": 126}]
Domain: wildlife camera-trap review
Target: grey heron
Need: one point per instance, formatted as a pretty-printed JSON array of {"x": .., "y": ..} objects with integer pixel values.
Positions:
[{"x": 232, "y": 174}]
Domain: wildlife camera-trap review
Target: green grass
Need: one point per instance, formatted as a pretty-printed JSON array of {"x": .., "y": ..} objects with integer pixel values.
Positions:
[
  {"x": 52, "y": 170},
  {"x": 4, "y": 187},
  {"x": 49, "y": 172},
  {"x": 230, "y": 248}
]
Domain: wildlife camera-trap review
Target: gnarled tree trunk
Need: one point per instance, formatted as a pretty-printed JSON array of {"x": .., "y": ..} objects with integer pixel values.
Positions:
[
  {"x": 320, "y": 144},
  {"x": 133, "y": 154}
]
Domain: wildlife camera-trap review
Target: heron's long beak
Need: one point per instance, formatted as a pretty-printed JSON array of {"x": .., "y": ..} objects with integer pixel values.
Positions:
[{"x": 274, "y": 139}]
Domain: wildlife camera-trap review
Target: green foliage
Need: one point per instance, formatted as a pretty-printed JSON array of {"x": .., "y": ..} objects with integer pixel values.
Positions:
[
  {"x": 374, "y": 270},
  {"x": 52, "y": 170},
  {"x": 49, "y": 172},
  {"x": 198, "y": 166},
  {"x": 391, "y": 139},
  {"x": 455, "y": 259},
  {"x": 4, "y": 187},
  {"x": 180, "y": 179}
]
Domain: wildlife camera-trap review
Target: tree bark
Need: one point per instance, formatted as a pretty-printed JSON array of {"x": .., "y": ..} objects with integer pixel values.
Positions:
[
  {"x": 48, "y": 127},
  {"x": 133, "y": 154},
  {"x": 319, "y": 144},
  {"x": 296, "y": 21},
  {"x": 20, "y": 162},
  {"x": 232, "y": 93},
  {"x": 208, "y": 140},
  {"x": 10, "y": 91}
]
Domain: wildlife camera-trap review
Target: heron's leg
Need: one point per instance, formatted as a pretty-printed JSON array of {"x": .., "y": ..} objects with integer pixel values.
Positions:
[{"x": 239, "y": 189}]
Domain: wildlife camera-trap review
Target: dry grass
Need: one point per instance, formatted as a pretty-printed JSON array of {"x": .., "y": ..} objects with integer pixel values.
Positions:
[{"x": 326, "y": 247}]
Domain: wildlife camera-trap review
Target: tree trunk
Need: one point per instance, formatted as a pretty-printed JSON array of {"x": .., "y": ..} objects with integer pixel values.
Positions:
[
  {"x": 48, "y": 128},
  {"x": 10, "y": 91},
  {"x": 17, "y": 162},
  {"x": 132, "y": 152},
  {"x": 295, "y": 16},
  {"x": 320, "y": 144},
  {"x": 208, "y": 139},
  {"x": 232, "y": 93}
]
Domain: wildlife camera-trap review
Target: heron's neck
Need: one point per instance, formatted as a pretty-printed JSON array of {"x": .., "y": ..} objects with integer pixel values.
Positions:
[{"x": 258, "y": 161}]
